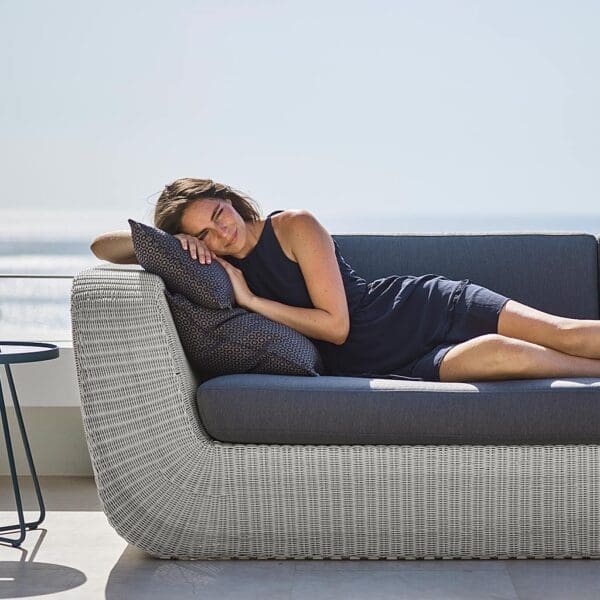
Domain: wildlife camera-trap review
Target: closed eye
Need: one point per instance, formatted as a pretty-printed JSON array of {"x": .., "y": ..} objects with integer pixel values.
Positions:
[{"x": 202, "y": 234}]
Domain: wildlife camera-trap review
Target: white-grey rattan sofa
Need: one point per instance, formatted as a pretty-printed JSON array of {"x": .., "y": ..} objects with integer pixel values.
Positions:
[{"x": 371, "y": 468}]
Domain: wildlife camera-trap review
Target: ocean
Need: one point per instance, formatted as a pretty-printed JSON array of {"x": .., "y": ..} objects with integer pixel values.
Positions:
[{"x": 49, "y": 243}]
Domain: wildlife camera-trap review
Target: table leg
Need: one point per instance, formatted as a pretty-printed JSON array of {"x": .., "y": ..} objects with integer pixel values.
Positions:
[{"x": 13, "y": 471}]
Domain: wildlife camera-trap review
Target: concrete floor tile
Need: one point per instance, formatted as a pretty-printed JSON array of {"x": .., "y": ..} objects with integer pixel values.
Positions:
[
  {"x": 398, "y": 583},
  {"x": 556, "y": 579}
]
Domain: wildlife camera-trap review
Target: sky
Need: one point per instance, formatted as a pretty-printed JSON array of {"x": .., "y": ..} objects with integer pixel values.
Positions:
[{"x": 372, "y": 109}]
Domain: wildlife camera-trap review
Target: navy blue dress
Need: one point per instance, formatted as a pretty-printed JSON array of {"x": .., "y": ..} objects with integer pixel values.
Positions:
[{"x": 400, "y": 326}]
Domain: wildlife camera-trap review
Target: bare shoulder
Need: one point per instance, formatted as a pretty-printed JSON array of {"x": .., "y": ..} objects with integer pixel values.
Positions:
[
  {"x": 291, "y": 225},
  {"x": 314, "y": 251},
  {"x": 287, "y": 218}
]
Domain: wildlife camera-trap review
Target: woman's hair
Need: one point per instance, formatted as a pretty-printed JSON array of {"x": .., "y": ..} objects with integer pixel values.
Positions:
[{"x": 177, "y": 196}]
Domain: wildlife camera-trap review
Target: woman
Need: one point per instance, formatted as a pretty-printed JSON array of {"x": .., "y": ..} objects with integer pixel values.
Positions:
[{"x": 288, "y": 268}]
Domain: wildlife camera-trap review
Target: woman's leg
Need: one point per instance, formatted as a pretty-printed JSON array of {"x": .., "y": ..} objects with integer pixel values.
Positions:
[
  {"x": 578, "y": 337},
  {"x": 495, "y": 357}
]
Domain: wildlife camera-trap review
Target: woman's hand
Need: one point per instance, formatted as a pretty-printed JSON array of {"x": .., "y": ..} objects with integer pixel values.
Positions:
[
  {"x": 241, "y": 291},
  {"x": 197, "y": 248}
]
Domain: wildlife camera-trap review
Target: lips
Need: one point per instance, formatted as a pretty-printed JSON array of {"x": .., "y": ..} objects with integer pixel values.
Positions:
[{"x": 232, "y": 238}]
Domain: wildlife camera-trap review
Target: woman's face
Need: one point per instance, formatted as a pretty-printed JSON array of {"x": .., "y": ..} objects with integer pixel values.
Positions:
[{"x": 216, "y": 223}]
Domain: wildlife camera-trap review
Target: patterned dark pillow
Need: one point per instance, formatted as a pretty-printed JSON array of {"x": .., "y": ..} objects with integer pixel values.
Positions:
[
  {"x": 161, "y": 253},
  {"x": 222, "y": 342}
]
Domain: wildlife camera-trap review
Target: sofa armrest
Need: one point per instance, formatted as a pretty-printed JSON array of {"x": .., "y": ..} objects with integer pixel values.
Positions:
[{"x": 137, "y": 389}]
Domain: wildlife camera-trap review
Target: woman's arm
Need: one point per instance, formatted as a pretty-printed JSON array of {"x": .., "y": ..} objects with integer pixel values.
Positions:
[
  {"x": 311, "y": 322},
  {"x": 313, "y": 248},
  {"x": 115, "y": 247}
]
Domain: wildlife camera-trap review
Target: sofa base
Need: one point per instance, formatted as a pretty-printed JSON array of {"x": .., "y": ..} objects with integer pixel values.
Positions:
[
  {"x": 378, "y": 502},
  {"x": 170, "y": 489}
]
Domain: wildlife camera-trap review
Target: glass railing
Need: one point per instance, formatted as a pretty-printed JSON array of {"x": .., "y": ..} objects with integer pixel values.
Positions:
[{"x": 35, "y": 307}]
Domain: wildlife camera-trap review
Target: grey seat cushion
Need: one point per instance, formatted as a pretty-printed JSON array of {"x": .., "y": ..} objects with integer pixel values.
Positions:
[{"x": 270, "y": 409}]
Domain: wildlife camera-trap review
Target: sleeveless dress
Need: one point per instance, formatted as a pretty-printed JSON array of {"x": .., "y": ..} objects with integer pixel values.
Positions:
[{"x": 400, "y": 326}]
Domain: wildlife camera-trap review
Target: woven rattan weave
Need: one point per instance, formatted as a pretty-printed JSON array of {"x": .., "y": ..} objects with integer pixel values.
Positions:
[{"x": 172, "y": 491}]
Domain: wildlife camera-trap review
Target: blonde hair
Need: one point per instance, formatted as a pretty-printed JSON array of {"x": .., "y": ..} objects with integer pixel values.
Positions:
[{"x": 177, "y": 196}]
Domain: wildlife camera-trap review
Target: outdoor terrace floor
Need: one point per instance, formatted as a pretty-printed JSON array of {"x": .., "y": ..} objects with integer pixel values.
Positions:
[{"x": 77, "y": 554}]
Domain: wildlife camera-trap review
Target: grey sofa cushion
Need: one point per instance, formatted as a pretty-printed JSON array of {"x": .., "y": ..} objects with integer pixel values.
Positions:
[
  {"x": 161, "y": 253},
  {"x": 553, "y": 272},
  {"x": 267, "y": 409},
  {"x": 223, "y": 341}
]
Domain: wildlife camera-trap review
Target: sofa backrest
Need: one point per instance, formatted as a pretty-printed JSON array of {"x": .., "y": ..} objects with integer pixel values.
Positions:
[{"x": 553, "y": 272}]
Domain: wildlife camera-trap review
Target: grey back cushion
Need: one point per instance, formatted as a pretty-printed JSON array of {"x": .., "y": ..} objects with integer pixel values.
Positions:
[
  {"x": 218, "y": 337},
  {"x": 161, "y": 253},
  {"x": 226, "y": 341},
  {"x": 553, "y": 272}
]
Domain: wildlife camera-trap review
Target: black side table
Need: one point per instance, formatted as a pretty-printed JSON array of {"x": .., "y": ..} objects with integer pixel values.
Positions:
[{"x": 11, "y": 353}]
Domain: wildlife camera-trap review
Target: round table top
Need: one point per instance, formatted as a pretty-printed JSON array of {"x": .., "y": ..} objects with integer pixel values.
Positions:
[{"x": 21, "y": 352}]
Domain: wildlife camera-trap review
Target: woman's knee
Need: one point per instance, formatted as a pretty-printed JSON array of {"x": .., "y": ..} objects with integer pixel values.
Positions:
[
  {"x": 510, "y": 356},
  {"x": 488, "y": 356}
]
